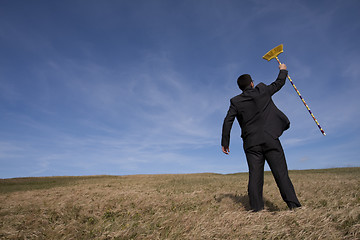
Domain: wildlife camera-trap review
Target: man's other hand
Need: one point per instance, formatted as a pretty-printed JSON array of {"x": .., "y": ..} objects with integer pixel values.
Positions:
[
  {"x": 282, "y": 66},
  {"x": 225, "y": 150}
]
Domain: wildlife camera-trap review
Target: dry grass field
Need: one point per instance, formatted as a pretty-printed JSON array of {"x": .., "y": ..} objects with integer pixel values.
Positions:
[{"x": 190, "y": 206}]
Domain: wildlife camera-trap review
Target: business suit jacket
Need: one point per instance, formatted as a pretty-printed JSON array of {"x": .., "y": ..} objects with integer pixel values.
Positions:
[{"x": 256, "y": 113}]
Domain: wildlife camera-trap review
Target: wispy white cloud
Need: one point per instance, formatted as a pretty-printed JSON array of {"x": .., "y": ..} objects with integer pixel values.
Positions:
[{"x": 165, "y": 115}]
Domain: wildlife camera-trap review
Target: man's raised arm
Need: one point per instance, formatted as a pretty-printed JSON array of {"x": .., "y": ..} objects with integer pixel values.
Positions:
[{"x": 280, "y": 81}]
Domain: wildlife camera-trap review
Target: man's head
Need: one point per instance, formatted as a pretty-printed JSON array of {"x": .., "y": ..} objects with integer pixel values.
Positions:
[{"x": 244, "y": 81}]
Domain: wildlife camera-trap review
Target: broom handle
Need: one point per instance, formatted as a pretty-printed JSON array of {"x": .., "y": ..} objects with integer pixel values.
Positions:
[{"x": 302, "y": 99}]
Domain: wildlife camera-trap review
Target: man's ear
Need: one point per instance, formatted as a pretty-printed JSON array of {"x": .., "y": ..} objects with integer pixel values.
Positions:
[{"x": 252, "y": 84}]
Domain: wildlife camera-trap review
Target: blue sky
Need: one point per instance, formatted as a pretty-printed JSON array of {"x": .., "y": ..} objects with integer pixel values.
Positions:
[{"x": 142, "y": 86}]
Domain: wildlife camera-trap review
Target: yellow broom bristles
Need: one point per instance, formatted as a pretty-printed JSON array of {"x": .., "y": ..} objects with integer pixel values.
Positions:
[{"x": 273, "y": 52}]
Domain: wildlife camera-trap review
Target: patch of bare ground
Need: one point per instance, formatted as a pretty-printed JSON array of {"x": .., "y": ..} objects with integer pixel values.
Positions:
[{"x": 190, "y": 206}]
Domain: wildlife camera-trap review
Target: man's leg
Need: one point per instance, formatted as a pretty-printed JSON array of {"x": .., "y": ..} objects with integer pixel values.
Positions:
[
  {"x": 275, "y": 157},
  {"x": 255, "y": 160}
]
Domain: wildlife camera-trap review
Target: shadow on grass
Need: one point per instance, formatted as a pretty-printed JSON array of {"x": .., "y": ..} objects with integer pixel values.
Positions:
[{"x": 244, "y": 201}]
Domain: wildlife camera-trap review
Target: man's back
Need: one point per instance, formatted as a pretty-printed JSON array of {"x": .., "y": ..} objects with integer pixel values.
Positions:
[{"x": 256, "y": 113}]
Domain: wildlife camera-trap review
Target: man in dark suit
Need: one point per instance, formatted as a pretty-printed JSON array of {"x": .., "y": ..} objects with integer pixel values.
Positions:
[{"x": 262, "y": 123}]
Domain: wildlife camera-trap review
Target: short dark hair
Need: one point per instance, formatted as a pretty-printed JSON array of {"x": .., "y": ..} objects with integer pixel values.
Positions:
[{"x": 244, "y": 81}]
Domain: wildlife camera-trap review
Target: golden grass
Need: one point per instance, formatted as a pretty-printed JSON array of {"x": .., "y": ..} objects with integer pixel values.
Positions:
[{"x": 186, "y": 206}]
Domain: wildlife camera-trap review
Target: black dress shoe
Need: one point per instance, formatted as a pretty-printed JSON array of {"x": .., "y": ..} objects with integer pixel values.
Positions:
[{"x": 293, "y": 206}]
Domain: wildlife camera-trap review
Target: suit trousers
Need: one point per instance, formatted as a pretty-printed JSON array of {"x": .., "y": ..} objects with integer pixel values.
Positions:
[{"x": 273, "y": 153}]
